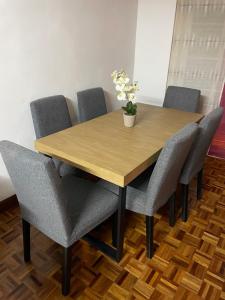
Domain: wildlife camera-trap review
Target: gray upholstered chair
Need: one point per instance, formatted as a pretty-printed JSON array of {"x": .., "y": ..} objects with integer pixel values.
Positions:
[
  {"x": 63, "y": 208},
  {"x": 182, "y": 98},
  {"x": 51, "y": 115},
  {"x": 195, "y": 160},
  {"x": 91, "y": 104},
  {"x": 148, "y": 196}
]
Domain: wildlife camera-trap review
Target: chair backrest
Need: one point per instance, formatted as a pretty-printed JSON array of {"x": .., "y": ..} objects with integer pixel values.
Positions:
[
  {"x": 38, "y": 189},
  {"x": 91, "y": 104},
  {"x": 50, "y": 115},
  {"x": 165, "y": 176},
  {"x": 195, "y": 160},
  {"x": 182, "y": 98}
]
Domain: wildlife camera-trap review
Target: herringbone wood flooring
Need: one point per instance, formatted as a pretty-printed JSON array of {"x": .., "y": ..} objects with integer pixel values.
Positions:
[{"x": 189, "y": 262}]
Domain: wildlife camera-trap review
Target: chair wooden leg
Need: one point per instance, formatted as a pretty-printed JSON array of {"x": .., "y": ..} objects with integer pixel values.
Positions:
[
  {"x": 172, "y": 210},
  {"x": 114, "y": 229},
  {"x": 66, "y": 271},
  {"x": 199, "y": 184},
  {"x": 149, "y": 236},
  {"x": 184, "y": 195},
  {"x": 26, "y": 240}
]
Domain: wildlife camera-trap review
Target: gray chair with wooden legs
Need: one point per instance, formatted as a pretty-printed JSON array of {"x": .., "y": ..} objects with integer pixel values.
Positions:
[
  {"x": 51, "y": 115},
  {"x": 91, "y": 104},
  {"x": 148, "y": 196},
  {"x": 182, "y": 98},
  {"x": 63, "y": 208},
  {"x": 195, "y": 160}
]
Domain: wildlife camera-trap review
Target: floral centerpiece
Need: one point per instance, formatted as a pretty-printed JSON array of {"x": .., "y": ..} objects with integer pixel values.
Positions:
[{"x": 126, "y": 91}]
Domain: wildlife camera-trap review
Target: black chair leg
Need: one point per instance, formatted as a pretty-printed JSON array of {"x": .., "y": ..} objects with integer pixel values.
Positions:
[
  {"x": 199, "y": 184},
  {"x": 149, "y": 236},
  {"x": 114, "y": 229},
  {"x": 66, "y": 271},
  {"x": 26, "y": 240},
  {"x": 172, "y": 210},
  {"x": 184, "y": 195}
]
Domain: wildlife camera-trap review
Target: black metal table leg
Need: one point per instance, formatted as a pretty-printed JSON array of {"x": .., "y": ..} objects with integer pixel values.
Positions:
[
  {"x": 149, "y": 236},
  {"x": 120, "y": 222},
  {"x": 114, "y": 229},
  {"x": 116, "y": 251}
]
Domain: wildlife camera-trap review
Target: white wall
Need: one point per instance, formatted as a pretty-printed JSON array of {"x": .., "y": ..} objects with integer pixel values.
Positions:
[
  {"x": 52, "y": 47},
  {"x": 153, "y": 44}
]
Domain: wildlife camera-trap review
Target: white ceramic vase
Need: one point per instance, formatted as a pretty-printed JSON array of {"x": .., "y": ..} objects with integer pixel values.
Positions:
[{"x": 128, "y": 120}]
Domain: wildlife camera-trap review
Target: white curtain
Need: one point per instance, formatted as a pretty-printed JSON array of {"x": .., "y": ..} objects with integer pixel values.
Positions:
[{"x": 198, "y": 49}]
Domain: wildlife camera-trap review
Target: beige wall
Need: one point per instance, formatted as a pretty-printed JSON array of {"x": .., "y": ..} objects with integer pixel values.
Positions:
[
  {"x": 52, "y": 47},
  {"x": 153, "y": 43}
]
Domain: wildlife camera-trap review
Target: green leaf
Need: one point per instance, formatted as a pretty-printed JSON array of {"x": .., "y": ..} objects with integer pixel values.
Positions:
[{"x": 130, "y": 108}]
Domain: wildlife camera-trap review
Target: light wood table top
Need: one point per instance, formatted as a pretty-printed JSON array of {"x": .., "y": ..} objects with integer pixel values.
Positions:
[{"x": 107, "y": 149}]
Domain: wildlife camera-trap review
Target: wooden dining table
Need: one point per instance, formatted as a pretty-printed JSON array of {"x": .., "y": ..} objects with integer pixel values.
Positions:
[{"x": 105, "y": 148}]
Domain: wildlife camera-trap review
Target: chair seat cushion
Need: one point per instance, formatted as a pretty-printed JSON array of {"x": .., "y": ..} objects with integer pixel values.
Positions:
[
  {"x": 88, "y": 204},
  {"x": 135, "y": 197},
  {"x": 141, "y": 182},
  {"x": 63, "y": 168}
]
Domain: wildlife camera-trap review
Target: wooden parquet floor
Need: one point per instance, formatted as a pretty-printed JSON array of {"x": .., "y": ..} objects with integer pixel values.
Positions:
[{"x": 189, "y": 262}]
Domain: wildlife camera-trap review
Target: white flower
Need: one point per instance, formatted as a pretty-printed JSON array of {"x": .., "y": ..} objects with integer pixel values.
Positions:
[
  {"x": 126, "y": 79},
  {"x": 135, "y": 86},
  {"x": 128, "y": 88},
  {"x": 131, "y": 97},
  {"x": 120, "y": 87},
  {"x": 121, "y": 96},
  {"x": 114, "y": 74},
  {"x": 121, "y": 80},
  {"x": 125, "y": 91}
]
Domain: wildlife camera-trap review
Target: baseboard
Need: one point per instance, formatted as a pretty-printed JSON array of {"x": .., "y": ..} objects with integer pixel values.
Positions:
[{"x": 8, "y": 203}]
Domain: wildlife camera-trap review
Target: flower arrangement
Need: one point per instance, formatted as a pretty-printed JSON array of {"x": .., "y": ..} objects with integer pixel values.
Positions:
[{"x": 125, "y": 91}]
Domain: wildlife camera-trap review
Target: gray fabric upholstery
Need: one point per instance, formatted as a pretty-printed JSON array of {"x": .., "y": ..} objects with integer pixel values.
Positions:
[
  {"x": 51, "y": 115},
  {"x": 140, "y": 183},
  {"x": 135, "y": 198},
  {"x": 182, "y": 98},
  {"x": 195, "y": 160},
  {"x": 65, "y": 169},
  {"x": 164, "y": 179},
  {"x": 65, "y": 208},
  {"x": 91, "y": 104},
  {"x": 155, "y": 192},
  {"x": 89, "y": 205}
]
